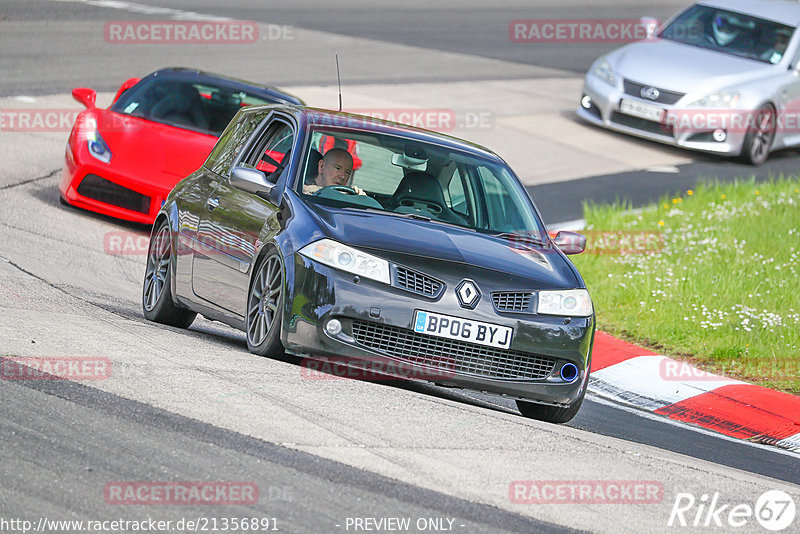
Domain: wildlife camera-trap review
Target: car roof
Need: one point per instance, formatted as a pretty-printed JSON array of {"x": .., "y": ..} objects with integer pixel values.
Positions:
[
  {"x": 274, "y": 93},
  {"x": 337, "y": 119},
  {"x": 783, "y": 11}
]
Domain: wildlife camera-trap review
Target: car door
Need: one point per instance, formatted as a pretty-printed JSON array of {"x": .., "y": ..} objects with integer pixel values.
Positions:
[
  {"x": 196, "y": 189},
  {"x": 232, "y": 221}
]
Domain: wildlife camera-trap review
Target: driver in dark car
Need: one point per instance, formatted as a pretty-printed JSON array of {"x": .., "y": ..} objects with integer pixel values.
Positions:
[{"x": 335, "y": 168}]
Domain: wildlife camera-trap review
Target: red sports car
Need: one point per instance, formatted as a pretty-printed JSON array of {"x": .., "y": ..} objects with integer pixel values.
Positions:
[{"x": 123, "y": 161}]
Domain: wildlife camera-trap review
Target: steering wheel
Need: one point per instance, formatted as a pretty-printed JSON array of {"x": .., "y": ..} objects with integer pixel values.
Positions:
[{"x": 340, "y": 188}]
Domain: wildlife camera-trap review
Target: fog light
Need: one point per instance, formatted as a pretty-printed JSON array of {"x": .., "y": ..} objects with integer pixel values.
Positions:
[
  {"x": 334, "y": 327},
  {"x": 586, "y": 101},
  {"x": 719, "y": 135}
]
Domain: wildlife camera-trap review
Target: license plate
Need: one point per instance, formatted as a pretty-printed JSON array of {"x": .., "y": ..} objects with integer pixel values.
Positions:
[
  {"x": 447, "y": 326},
  {"x": 643, "y": 111}
]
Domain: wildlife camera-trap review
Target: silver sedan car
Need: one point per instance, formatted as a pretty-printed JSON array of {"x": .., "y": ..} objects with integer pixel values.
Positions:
[{"x": 721, "y": 77}]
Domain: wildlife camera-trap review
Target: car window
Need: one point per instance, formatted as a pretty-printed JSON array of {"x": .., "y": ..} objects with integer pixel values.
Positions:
[
  {"x": 193, "y": 105},
  {"x": 270, "y": 149},
  {"x": 406, "y": 177},
  {"x": 232, "y": 141},
  {"x": 456, "y": 196},
  {"x": 730, "y": 32},
  {"x": 502, "y": 213}
]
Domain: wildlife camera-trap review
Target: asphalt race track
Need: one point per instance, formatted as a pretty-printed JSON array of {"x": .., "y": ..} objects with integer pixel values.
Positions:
[{"x": 326, "y": 455}]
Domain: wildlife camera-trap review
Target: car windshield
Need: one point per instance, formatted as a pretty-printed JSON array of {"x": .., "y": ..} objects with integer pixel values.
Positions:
[
  {"x": 408, "y": 178},
  {"x": 195, "y": 105},
  {"x": 730, "y": 32}
]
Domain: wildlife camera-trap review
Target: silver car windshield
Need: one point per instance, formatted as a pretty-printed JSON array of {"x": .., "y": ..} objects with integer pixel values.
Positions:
[
  {"x": 408, "y": 178},
  {"x": 731, "y": 33}
]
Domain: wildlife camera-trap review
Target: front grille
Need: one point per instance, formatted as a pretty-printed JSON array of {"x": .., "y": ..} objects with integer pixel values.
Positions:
[
  {"x": 97, "y": 188},
  {"x": 458, "y": 356},
  {"x": 513, "y": 301},
  {"x": 416, "y": 282},
  {"x": 664, "y": 96},
  {"x": 642, "y": 124}
]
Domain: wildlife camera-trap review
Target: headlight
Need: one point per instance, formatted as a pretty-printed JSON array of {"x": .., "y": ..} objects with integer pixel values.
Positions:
[
  {"x": 571, "y": 302},
  {"x": 720, "y": 99},
  {"x": 348, "y": 259},
  {"x": 604, "y": 71},
  {"x": 95, "y": 143}
]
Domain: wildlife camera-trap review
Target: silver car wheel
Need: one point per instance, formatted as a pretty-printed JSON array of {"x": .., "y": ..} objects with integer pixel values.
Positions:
[
  {"x": 762, "y": 135},
  {"x": 262, "y": 306},
  {"x": 158, "y": 258}
]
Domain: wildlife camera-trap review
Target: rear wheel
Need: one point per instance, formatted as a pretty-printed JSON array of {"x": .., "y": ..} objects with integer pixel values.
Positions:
[
  {"x": 157, "y": 302},
  {"x": 759, "y": 137},
  {"x": 551, "y": 414},
  {"x": 264, "y": 303}
]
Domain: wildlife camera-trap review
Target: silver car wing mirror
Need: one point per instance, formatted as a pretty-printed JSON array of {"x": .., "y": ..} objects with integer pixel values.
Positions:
[
  {"x": 250, "y": 180},
  {"x": 570, "y": 242}
]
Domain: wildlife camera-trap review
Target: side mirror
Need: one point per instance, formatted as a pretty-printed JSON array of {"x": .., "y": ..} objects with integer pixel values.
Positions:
[
  {"x": 125, "y": 86},
  {"x": 85, "y": 96},
  {"x": 570, "y": 242},
  {"x": 650, "y": 26},
  {"x": 250, "y": 180}
]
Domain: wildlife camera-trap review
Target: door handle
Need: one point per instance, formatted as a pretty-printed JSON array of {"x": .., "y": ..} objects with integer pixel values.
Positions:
[{"x": 212, "y": 203}]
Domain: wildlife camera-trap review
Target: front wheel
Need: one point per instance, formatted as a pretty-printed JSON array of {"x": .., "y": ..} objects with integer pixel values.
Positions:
[
  {"x": 760, "y": 134},
  {"x": 264, "y": 303},
  {"x": 157, "y": 302},
  {"x": 551, "y": 414}
]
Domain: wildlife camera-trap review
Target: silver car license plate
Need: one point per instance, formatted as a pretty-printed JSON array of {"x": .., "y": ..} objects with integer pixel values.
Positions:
[
  {"x": 641, "y": 110},
  {"x": 447, "y": 326}
]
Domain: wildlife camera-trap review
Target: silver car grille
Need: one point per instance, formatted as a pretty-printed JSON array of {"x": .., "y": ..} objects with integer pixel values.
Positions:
[{"x": 664, "y": 96}]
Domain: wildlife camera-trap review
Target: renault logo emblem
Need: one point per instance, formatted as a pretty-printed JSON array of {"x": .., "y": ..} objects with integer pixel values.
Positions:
[
  {"x": 468, "y": 294},
  {"x": 650, "y": 93}
]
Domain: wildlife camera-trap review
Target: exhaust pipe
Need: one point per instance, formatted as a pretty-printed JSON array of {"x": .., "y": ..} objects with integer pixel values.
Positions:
[{"x": 569, "y": 372}]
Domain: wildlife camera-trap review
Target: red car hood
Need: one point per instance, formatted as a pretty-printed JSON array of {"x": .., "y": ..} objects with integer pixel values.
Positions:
[{"x": 151, "y": 152}]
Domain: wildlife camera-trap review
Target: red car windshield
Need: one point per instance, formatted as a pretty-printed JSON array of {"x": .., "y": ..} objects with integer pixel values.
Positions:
[{"x": 193, "y": 105}]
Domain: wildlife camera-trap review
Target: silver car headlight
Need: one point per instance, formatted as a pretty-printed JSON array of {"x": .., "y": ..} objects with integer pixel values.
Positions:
[
  {"x": 339, "y": 256},
  {"x": 720, "y": 99},
  {"x": 603, "y": 70},
  {"x": 569, "y": 302}
]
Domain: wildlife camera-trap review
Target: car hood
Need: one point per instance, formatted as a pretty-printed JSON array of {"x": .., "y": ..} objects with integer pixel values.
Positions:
[
  {"x": 683, "y": 68},
  {"x": 542, "y": 267},
  {"x": 150, "y": 152}
]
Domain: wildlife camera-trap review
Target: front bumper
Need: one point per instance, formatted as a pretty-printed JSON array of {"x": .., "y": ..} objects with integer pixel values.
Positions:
[
  {"x": 377, "y": 335},
  {"x": 695, "y": 127},
  {"x": 92, "y": 185}
]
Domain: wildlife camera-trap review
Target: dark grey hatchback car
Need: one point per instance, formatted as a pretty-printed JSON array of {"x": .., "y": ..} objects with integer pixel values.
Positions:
[{"x": 432, "y": 263}]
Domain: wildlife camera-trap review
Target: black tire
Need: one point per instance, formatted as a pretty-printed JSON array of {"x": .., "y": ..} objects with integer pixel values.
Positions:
[
  {"x": 760, "y": 135},
  {"x": 157, "y": 302},
  {"x": 264, "y": 307},
  {"x": 551, "y": 414}
]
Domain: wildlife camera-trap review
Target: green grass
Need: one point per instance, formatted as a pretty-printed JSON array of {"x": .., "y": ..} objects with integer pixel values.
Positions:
[{"x": 714, "y": 278}]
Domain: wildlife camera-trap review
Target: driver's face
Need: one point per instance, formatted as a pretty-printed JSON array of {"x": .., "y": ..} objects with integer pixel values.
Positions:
[{"x": 335, "y": 169}]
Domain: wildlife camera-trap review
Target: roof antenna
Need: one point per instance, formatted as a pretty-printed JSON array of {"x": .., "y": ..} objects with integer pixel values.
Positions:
[{"x": 339, "y": 77}]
